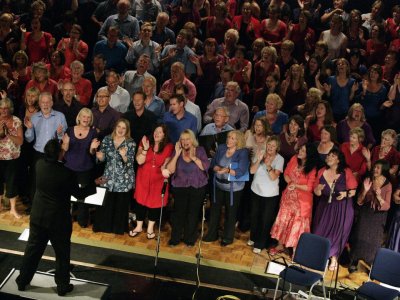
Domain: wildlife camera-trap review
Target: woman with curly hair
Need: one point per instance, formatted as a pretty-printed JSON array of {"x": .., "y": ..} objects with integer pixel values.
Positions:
[
  {"x": 294, "y": 216},
  {"x": 334, "y": 188}
]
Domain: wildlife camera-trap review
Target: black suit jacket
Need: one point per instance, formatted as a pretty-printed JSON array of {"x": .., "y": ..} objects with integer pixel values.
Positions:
[{"x": 54, "y": 186}]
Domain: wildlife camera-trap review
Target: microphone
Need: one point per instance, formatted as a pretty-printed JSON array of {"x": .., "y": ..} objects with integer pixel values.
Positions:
[{"x": 164, "y": 187}]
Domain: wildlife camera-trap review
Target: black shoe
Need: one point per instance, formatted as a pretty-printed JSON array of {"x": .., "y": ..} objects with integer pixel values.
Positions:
[
  {"x": 62, "y": 290},
  {"x": 189, "y": 245},
  {"x": 173, "y": 243},
  {"x": 21, "y": 286},
  {"x": 225, "y": 243}
]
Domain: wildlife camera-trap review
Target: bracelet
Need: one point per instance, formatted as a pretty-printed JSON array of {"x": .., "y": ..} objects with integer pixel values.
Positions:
[
  {"x": 229, "y": 170},
  {"x": 146, "y": 149}
]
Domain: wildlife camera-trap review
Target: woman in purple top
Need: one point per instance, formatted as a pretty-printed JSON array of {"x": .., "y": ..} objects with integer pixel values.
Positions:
[
  {"x": 355, "y": 118},
  {"x": 80, "y": 143},
  {"x": 334, "y": 188},
  {"x": 189, "y": 165}
]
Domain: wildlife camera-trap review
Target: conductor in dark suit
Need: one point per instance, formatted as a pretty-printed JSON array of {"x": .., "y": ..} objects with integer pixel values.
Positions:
[{"x": 51, "y": 219}]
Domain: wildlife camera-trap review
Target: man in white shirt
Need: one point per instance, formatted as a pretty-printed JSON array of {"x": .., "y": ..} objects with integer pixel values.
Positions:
[{"x": 120, "y": 98}]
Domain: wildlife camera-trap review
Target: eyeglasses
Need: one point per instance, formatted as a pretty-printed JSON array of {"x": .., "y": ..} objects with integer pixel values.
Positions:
[{"x": 102, "y": 96}]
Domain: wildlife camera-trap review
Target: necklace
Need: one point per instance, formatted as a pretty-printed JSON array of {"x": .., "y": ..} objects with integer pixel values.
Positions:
[{"x": 31, "y": 111}]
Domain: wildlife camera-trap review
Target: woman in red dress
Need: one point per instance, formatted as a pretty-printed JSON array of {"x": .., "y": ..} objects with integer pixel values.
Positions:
[
  {"x": 247, "y": 26},
  {"x": 73, "y": 47},
  {"x": 83, "y": 86},
  {"x": 354, "y": 153},
  {"x": 242, "y": 69},
  {"x": 38, "y": 44},
  {"x": 302, "y": 35},
  {"x": 152, "y": 157},
  {"x": 293, "y": 89},
  {"x": 386, "y": 151},
  {"x": 217, "y": 25},
  {"x": 376, "y": 46},
  {"x": 272, "y": 29},
  {"x": 294, "y": 216},
  {"x": 57, "y": 67},
  {"x": 40, "y": 79},
  {"x": 265, "y": 67}
]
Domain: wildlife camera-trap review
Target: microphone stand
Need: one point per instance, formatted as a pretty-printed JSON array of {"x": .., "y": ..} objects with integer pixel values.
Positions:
[{"x": 159, "y": 228}]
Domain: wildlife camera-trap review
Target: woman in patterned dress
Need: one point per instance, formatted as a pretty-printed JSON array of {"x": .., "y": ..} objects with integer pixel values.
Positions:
[
  {"x": 294, "y": 216},
  {"x": 118, "y": 151}
]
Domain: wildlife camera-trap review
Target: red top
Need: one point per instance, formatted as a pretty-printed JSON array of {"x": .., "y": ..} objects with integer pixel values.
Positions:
[
  {"x": 252, "y": 27},
  {"x": 149, "y": 179},
  {"x": 50, "y": 86},
  {"x": 375, "y": 53},
  {"x": 273, "y": 36},
  {"x": 298, "y": 38},
  {"x": 38, "y": 50},
  {"x": 64, "y": 73},
  {"x": 83, "y": 89},
  {"x": 260, "y": 74},
  {"x": 216, "y": 30},
  {"x": 392, "y": 28},
  {"x": 70, "y": 55},
  {"x": 313, "y": 133},
  {"x": 356, "y": 161},
  {"x": 392, "y": 157},
  {"x": 238, "y": 75}
]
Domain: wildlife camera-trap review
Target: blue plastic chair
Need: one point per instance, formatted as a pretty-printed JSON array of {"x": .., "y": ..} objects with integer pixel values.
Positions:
[
  {"x": 312, "y": 252},
  {"x": 385, "y": 269}
]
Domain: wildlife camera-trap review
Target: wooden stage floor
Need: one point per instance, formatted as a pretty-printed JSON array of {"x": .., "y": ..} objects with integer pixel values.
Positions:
[{"x": 237, "y": 256}]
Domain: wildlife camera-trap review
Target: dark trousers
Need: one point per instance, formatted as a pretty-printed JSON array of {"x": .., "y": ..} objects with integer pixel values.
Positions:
[
  {"x": 84, "y": 179},
  {"x": 112, "y": 216},
  {"x": 223, "y": 198},
  {"x": 263, "y": 214},
  {"x": 153, "y": 214},
  {"x": 60, "y": 239},
  {"x": 185, "y": 215}
]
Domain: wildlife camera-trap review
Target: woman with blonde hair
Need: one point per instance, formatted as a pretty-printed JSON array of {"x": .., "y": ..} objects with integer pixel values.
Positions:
[
  {"x": 230, "y": 164},
  {"x": 265, "y": 66},
  {"x": 189, "y": 169},
  {"x": 80, "y": 143},
  {"x": 276, "y": 118},
  {"x": 118, "y": 152},
  {"x": 266, "y": 166},
  {"x": 11, "y": 139},
  {"x": 293, "y": 89}
]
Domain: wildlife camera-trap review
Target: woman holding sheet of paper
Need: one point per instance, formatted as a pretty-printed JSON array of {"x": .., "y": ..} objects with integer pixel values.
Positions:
[{"x": 230, "y": 165}]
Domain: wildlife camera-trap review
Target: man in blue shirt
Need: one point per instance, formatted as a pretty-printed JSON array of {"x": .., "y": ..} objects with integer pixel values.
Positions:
[
  {"x": 127, "y": 24},
  {"x": 178, "y": 119},
  {"x": 45, "y": 124},
  {"x": 113, "y": 50}
]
